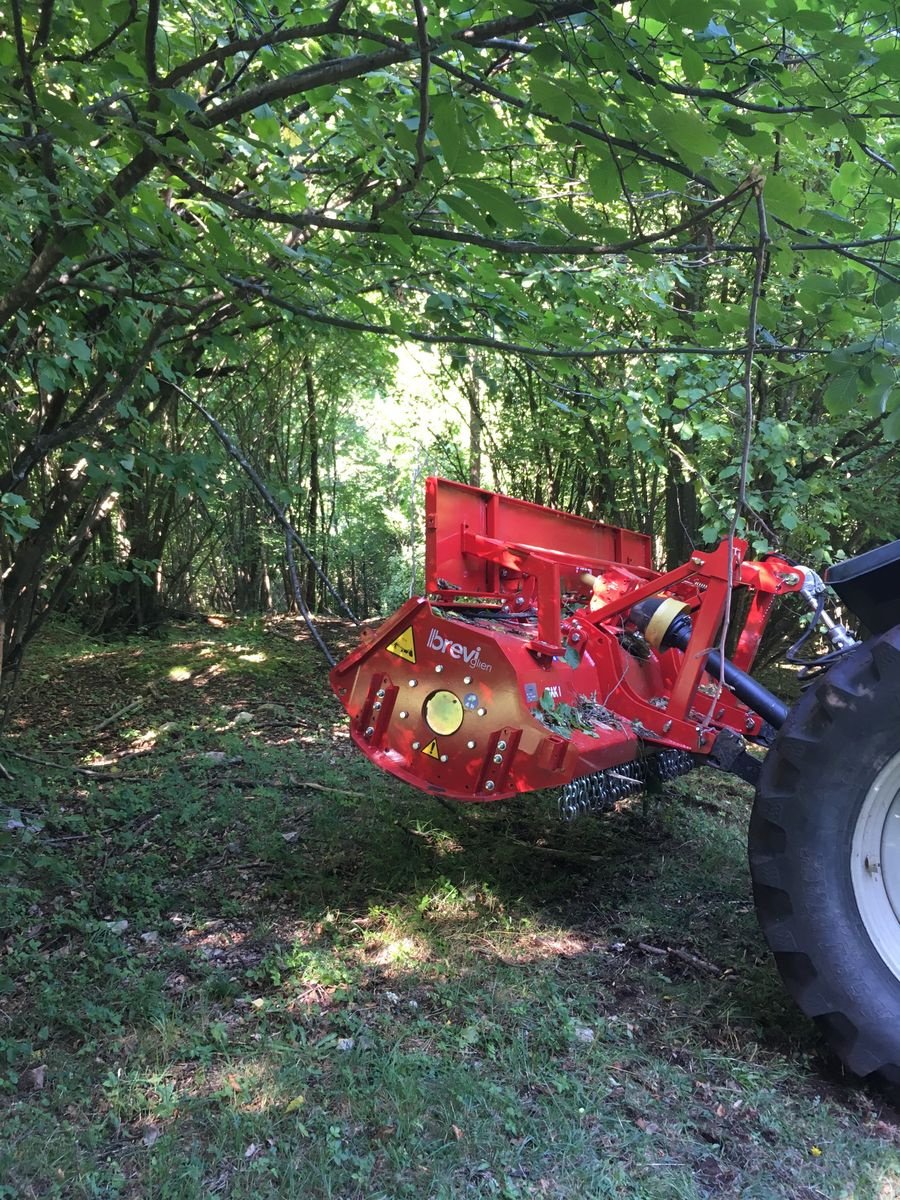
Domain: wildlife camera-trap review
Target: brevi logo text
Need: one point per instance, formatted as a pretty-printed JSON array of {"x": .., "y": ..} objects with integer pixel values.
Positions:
[{"x": 472, "y": 658}]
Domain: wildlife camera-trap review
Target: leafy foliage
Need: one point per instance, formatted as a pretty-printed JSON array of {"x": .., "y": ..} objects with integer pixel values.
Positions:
[{"x": 558, "y": 192}]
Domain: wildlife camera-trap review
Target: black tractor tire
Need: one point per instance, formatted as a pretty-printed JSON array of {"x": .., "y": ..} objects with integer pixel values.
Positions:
[{"x": 825, "y": 856}]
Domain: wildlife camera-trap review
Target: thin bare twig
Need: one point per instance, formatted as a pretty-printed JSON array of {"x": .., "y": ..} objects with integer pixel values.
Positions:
[
  {"x": 762, "y": 245},
  {"x": 424, "y": 76},
  {"x": 89, "y": 772}
]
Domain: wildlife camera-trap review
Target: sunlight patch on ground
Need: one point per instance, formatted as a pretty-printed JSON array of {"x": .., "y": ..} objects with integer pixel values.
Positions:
[
  {"x": 179, "y": 674},
  {"x": 401, "y": 950}
]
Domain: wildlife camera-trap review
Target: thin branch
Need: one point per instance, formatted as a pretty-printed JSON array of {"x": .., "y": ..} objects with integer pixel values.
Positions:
[
  {"x": 255, "y": 478},
  {"x": 301, "y": 603},
  {"x": 42, "y": 36},
  {"x": 517, "y": 246},
  {"x": 338, "y": 70},
  {"x": 762, "y": 247},
  {"x": 150, "y": 41},
  {"x": 446, "y": 339},
  {"x": 877, "y": 158},
  {"x": 422, "y": 131},
  {"x": 217, "y": 54},
  {"x": 97, "y": 50},
  {"x": 591, "y": 131}
]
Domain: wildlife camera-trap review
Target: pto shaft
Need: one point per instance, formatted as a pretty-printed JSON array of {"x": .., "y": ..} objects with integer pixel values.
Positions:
[{"x": 666, "y": 625}]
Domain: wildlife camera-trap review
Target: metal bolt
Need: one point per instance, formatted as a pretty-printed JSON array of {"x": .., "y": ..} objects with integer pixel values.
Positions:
[
  {"x": 482, "y": 712},
  {"x": 498, "y": 758},
  {"x": 501, "y": 745},
  {"x": 750, "y": 723},
  {"x": 403, "y": 716},
  {"x": 438, "y": 668},
  {"x": 370, "y": 731},
  {"x": 470, "y": 745},
  {"x": 575, "y": 638},
  {"x": 443, "y": 758},
  {"x": 489, "y": 785},
  {"x": 467, "y": 678},
  {"x": 667, "y": 725},
  {"x": 380, "y": 693},
  {"x": 696, "y": 562},
  {"x": 416, "y": 745},
  {"x": 414, "y": 683},
  {"x": 791, "y": 580},
  {"x": 520, "y": 600},
  {"x": 376, "y": 706}
]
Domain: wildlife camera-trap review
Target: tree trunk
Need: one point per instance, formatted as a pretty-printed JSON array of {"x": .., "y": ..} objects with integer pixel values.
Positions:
[{"x": 315, "y": 485}]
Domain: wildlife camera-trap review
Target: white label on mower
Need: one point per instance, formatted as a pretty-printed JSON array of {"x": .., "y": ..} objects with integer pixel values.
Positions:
[{"x": 472, "y": 658}]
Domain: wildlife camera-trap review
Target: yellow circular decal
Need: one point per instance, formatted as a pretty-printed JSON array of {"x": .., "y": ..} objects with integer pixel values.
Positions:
[{"x": 443, "y": 713}]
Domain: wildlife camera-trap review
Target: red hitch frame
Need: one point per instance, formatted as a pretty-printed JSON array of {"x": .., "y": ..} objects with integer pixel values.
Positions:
[{"x": 521, "y": 669}]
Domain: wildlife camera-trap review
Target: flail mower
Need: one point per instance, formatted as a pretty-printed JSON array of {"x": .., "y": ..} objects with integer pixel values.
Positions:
[{"x": 547, "y": 653}]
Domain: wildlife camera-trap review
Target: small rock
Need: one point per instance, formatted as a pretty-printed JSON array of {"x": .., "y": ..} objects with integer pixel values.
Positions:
[
  {"x": 151, "y": 1133},
  {"x": 243, "y": 718},
  {"x": 392, "y": 997},
  {"x": 151, "y": 937},
  {"x": 584, "y": 1034},
  {"x": 116, "y": 926},
  {"x": 412, "y": 1004},
  {"x": 214, "y": 758},
  {"x": 344, "y": 1044},
  {"x": 32, "y": 1080}
]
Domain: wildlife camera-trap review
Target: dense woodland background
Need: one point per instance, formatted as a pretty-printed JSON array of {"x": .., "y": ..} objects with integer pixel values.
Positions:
[{"x": 511, "y": 244}]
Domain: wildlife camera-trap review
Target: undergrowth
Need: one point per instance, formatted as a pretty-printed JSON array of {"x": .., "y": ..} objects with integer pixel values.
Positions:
[{"x": 237, "y": 961}]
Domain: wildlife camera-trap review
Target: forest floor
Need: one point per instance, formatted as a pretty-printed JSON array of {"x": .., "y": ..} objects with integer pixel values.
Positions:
[{"x": 237, "y": 961}]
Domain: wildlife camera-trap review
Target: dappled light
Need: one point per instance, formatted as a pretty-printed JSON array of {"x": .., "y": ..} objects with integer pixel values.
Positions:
[
  {"x": 296, "y": 966},
  {"x": 567, "y": 333}
]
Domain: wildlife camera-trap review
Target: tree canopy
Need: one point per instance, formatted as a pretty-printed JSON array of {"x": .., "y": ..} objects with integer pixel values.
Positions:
[{"x": 566, "y": 202}]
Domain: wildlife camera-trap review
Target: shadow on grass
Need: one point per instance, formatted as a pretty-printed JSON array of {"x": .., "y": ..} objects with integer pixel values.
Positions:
[{"x": 256, "y": 959}]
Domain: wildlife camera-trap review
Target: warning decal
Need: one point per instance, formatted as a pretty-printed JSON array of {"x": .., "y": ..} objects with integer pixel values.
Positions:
[
  {"x": 432, "y": 749},
  {"x": 404, "y": 646}
]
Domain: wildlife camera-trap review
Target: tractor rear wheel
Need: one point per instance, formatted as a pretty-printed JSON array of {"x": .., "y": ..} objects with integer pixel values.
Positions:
[{"x": 825, "y": 856}]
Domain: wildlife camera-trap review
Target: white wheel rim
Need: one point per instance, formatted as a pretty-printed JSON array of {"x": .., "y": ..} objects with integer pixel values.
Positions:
[{"x": 875, "y": 864}]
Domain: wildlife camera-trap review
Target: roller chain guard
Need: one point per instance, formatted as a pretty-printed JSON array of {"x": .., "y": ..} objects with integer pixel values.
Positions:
[{"x": 600, "y": 792}]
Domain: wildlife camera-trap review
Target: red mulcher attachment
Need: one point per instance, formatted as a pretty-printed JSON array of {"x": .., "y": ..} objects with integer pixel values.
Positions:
[{"x": 547, "y": 652}]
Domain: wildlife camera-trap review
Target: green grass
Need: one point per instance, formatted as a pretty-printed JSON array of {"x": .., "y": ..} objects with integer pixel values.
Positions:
[{"x": 238, "y": 984}]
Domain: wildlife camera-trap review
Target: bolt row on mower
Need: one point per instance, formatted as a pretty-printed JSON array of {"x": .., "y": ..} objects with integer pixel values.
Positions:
[{"x": 548, "y": 653}]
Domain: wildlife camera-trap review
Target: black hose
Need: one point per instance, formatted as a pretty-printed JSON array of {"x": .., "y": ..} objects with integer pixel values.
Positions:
[{"x": 744, "y": 686}]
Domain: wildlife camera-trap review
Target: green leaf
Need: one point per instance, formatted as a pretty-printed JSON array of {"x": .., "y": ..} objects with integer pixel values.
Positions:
[
  {"x": 684, "y": 131},
  {"x": 448, "y": 123},
  {"x": 783, "y": 198},
  {"x": 692, "y": 65},
  {"x": 604, "y": 182},
  {"x": 493, "y": 200},
  {"x": 842, "y": 393},
  {"x": 891, "y": 426},
  {"x": 573, "y": 221},
  {"x": 552, "y": 99}
]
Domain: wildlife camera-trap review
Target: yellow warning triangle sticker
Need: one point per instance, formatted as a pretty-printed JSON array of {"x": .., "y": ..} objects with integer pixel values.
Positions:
[
  {"x": 432, "y": 749},
  {"x": 404, "y": 646}
]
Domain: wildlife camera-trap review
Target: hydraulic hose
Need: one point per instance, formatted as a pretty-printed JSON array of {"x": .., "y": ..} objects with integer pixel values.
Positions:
[{"x": 674, "y": 631}]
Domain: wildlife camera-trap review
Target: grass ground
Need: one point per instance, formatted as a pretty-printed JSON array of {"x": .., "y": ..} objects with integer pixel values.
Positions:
[{"x": 236, "y": 961}]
